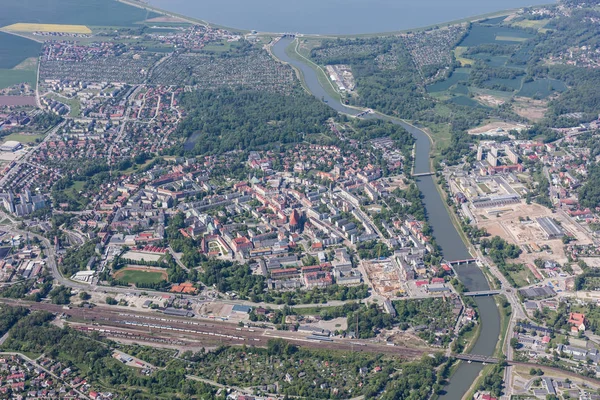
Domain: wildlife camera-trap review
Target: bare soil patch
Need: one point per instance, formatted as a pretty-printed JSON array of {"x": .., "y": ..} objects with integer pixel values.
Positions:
[
  {"x": 533, "y": 110},
  {"x": 17, "y": 101}
]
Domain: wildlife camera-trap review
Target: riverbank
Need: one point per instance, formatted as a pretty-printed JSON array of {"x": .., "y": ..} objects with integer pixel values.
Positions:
[
  {"x": 445, "y": 231},
  {"x": 293, "y": 52}
]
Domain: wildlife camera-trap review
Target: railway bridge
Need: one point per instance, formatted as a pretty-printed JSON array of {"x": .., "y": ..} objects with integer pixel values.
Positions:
[{"x": 476, "y": 358}]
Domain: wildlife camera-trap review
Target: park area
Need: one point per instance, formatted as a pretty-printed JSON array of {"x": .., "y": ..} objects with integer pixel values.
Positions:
[{"x": 143, "y": 275}]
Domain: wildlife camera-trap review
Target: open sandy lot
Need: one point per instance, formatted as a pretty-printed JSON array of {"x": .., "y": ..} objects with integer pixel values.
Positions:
[
  {"x": 528, "y": 234},
  {"x": 492, "y": 126},
  {"x": 489, "y": 100},
  {"x": 533, "y": 110},
  {"x": 164, "y": 19},
  {"x": 139, "y": 256}
]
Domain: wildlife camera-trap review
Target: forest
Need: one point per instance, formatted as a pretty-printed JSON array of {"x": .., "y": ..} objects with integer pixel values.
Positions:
[
  {"x": 589, "y": 192},
  {"x": 225, "y": 120}
]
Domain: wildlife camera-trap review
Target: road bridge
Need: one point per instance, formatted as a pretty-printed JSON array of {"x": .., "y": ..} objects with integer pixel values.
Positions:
[
  {"x": 423, "y": 174},
  {"x": 461, "y": 262},
  {"x": 482, "y": 293}
]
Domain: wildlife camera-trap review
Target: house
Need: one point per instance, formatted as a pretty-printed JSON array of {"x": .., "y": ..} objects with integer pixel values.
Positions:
[
  {"x": 577, "y": 321},
  {"x": 470, "y": 314}
]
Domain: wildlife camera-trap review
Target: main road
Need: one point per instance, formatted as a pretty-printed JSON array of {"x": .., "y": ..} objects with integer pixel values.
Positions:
[{"x": 445, "y": 233}]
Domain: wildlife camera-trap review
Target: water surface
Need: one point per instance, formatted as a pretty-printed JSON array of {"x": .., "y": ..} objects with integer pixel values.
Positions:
[{"x": 334, "y": 16}]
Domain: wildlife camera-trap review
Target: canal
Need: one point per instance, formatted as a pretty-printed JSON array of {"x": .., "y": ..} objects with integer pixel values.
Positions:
[{"x": 444, "y": 231}]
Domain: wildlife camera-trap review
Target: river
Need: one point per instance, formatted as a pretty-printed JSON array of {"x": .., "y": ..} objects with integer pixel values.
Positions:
[
  {"x": 334, "y": 16},
  {"x": 444, "y": 231}
]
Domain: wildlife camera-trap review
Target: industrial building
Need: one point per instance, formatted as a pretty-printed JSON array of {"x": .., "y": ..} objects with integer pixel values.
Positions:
[
  {"x": 550, "y": 228},
  {"x": 496, "y": 201},
  {"x": 11, "y": 145}
]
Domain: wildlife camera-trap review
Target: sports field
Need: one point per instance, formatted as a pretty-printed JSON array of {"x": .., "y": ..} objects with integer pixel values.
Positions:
[
  {"x": 137, "y": 275},
  {"x": 59, "y": 28}
]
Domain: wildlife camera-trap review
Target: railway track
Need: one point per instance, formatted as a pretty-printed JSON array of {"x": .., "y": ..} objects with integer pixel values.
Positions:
[{"x": 153, "y": 326}]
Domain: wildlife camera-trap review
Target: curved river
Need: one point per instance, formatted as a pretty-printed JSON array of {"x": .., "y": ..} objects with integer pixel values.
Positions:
[{"x": 444, "y": 231}]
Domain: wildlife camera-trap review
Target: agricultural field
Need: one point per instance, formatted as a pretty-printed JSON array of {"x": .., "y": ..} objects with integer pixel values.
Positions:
[
  {"x": 458, "y": 52},
  {"x": 459, "y": 75},
  {"x": 11, "y": 77},
  {"x": 89, "y": 12},
  {"x": 530, "y": 23},
  {"x": 465, "y": 101},
  {"x": 142, "y": 275},
  {"x": 58, "y": 28},
  {"x": 9, "y": 100},
  {"x": 493, "y": 59},
  {"x": 486, "y": 34},
  {"x": 542, "y": 88},
  {"x": 15, "y": 49}
]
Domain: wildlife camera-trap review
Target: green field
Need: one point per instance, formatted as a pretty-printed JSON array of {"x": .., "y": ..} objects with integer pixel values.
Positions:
[
  {"x": 482, "y": 34},
  {"x": 11, "y": 77},
  {"x": 22, "y": 138},
  {"x": 465, "y": 101},
  {"x": 521, "y": 277},
  {"x": 458, "y": 52},
  {"x": 459, "y": 75},
  {"x": 491, "y": 60},
  {"x": 542, "y": 88},
  {"x": 530, "y": 23},
  {"x": 15, "y": 49},
  {"x": 220, "y": 47},
  {"x": 77, "y": 186},
  {"x": 137, "y": 276},
  {"x": 73, "y": 104}
]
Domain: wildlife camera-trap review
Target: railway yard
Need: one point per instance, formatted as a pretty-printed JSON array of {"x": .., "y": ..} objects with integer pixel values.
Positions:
[{"x": 155, "y": 327}]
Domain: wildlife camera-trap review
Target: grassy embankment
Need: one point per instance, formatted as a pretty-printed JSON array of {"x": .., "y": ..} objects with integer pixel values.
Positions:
[{"x": 297, "y": 52}]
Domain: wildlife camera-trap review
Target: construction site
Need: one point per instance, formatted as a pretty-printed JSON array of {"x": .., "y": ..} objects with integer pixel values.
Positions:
[
  {"x": 384, "y": 277},
  {"x": 523, "y": 224}
]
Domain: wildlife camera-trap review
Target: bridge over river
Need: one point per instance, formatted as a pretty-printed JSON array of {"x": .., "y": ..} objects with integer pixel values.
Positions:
[
  {"x": 483, "y": 293},
  {"x": 476, "y": 358}
]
